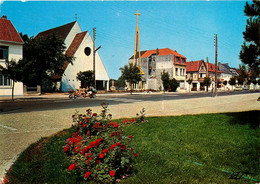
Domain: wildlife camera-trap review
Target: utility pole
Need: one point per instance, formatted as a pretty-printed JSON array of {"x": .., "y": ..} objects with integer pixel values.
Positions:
[
  {"x": 216, "y": 63},
  {"x": 94, "y": 57}
]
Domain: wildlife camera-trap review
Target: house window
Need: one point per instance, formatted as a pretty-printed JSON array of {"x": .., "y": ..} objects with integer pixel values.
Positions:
[
  {"x": 3, "y": 52},
  {"x": 182, "y": 60},
  {"x": 177, "y": 59},
  {"x": 181, "y": 72},
  {"x": 201, "y": 75},
  {"x": 4, "y": 81},
  {"x": 176, "y": 72}
]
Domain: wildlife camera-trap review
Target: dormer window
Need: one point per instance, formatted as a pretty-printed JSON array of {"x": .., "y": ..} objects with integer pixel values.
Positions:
[
  {"x": 177, "y": 59},
  {"x": 182, "y": 60}
]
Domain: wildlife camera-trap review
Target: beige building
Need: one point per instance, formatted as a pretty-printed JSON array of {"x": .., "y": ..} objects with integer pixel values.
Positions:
[
  {"x": 80, "y": 46},
  {"x": 154, "y": 62},
  {"x": 197, "y": 71},
  {"x": 11, "y": 48}
]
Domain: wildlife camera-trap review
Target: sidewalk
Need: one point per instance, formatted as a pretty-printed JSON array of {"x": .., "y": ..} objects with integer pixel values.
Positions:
[{"x": 19, "y": 130}]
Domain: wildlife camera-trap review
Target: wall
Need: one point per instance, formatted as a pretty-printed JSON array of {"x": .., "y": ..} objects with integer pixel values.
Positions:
[
  {"x": 15, "y": 52},
  {"x": 83, "y": 63}
]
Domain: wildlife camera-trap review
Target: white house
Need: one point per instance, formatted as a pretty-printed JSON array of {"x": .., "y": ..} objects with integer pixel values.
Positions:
[
  {"x": 225, "y": 75},
  {"x": 76, "y": 42},
  {"x": 154, "y": 62},
  {"x": 11, "y": 48}
]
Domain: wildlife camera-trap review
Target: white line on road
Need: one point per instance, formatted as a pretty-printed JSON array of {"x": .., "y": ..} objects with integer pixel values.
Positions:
[
  {"x": 7, "y": 127},
  {"x": 33, "y": 131}
]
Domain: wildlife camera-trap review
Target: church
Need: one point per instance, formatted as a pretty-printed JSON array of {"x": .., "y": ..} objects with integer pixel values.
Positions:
[{"x": 79, "y": 45}]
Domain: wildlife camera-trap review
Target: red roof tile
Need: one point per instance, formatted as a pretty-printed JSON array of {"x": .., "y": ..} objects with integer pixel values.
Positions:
[
  {"x": 72, "y": 50},
  {"x": 193, "y": 66},
  {"x": 61, "y": 31},
  {"x": 162, "y": 52},
  {"x": 8, "y": 32}
]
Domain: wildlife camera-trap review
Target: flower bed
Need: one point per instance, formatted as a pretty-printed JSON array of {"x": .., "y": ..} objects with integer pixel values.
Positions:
[{"x": 98, "y": 150}]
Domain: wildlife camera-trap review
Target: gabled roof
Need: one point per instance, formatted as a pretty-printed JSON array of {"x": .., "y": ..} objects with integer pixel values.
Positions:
[
  {"x": 61, "y": 31},
  {"x": 224, "y": 68},
  {"x": 72, "y": 50},
  {"x": 8, "y": 32},
  {"x": 162, "y": 52},
  {"x": 193, "y": 66}
]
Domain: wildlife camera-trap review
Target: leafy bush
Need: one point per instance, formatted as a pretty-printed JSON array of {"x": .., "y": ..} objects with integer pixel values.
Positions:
[{"x": 98, "y": 150}]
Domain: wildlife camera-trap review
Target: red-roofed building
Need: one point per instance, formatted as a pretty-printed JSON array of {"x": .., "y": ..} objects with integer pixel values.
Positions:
[
  {"x": 154, "y": 62},
  {"x": 76, "y": 42},
  {"x": 198, "y": 70},
  {"x": 11, "y": 48}
]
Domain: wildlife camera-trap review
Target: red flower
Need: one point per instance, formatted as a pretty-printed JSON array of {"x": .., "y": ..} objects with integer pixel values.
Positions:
[
  {"x": 84, "y": 125},
  {"x": 66, "y": 148},
  {"x": 136, "y": 154},
  {"x": 94, "y": 114},
  {"x": 112, "y": 173},
  {"x": 130, "y": 136},
  {"x": 123, "y": 147},
  {"x": 101, "y": 155},
  {"x": 115, "y": 125},
  {"x": 98, "y": 161},
  {"x": 80, "y": 123},
  {"x": 105, "y": 151},
  {"x": 86, "y": 120},
  {"x": 113, "y": 134},
  {"x": 87, "y": 174},
  {"x": 71, "y": 167},
  {"x": 113, "y": 146}
]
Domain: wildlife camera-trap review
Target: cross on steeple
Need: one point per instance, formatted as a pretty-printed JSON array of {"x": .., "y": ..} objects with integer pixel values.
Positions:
[
  {"x": 137, "y": 14},
  {"x": 76, "y": 17}
]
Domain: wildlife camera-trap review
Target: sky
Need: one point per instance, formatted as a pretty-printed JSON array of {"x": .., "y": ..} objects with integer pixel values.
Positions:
[{"x": 185, "y": 26}]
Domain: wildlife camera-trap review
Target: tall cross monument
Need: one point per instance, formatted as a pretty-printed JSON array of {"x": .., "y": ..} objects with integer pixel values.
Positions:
[{"x": 137, "y": 52}]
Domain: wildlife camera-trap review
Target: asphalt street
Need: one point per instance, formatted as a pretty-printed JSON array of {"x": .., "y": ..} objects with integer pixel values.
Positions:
[
  {"x": 63, "y": 102},
  {"x": 26, "y": 120}
]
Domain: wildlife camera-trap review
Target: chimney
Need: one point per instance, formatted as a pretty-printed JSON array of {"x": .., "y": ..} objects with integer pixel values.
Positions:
[
  {"x": 157, "y": 51},
  {"x": 191, "y": 63},
  {"x": 4, "y": 17}
]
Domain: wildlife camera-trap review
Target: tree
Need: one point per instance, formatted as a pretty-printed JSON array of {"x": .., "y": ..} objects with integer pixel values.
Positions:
[
  {"x": 131, "y": 74},
  {"x": 86, "y": 78},
  {"x": 207, "y": 82},
  {"x": 250, "y": 51},
  {"x": 173, "y": 84},
  {"x": 240, "y": 80},
  {"x": 225, "y": 83},
  {"x": 189, "y": 82},
  {"x": 43, "y": 58},
  {"x": 232, "y": 81},
  {"x": 165, "y": 77},
  {"x": 13, "y": 72}
]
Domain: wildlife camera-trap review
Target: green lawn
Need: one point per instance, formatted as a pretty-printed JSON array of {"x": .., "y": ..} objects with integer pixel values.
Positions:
[{"x": 181, "y": 149}]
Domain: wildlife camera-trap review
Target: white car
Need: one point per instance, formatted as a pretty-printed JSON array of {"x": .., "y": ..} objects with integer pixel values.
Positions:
[{"x": 238, "y": 88}]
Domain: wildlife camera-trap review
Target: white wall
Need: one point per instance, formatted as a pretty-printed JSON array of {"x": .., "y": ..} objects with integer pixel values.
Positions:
[
  {"x": 74, "y": 30},
  {"x": 83, "y": 63},
  {"x": 15, "y": 52}
]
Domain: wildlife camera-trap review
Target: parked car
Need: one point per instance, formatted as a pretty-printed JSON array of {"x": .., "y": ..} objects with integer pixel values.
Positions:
[
  {"x": 238, "y": 88},
  {"x": 246, "y": 88}
]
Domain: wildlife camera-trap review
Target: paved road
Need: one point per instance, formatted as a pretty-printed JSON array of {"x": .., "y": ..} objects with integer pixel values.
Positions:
[
  {"x": 28, "y": 120},
  {"x": 44, "y": 103}
]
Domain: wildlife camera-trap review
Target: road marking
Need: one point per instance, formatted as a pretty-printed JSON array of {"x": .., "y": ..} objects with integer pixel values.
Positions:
[
  {"x": 7, "y": 127},
  {"x": 125, "y": 100},
  {"x": 33, "y": 131}
]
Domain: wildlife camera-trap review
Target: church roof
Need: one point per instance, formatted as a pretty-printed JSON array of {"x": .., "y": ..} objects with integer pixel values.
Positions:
[
  {"x": 61, "y": 31},
  {"x": 72, "y": 50},
  {"x": 8, "y": 33}
]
